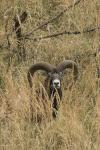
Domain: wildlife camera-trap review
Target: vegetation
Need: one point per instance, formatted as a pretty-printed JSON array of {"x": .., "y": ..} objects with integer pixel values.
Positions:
[{"x": 77, "y": 126}]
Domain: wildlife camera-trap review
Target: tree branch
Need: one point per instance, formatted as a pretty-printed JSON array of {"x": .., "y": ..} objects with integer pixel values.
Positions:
[
  {"x": 17, "y": 26},
  {"x": 65, "y": 33},
  {"x": 53, "y": 19}
]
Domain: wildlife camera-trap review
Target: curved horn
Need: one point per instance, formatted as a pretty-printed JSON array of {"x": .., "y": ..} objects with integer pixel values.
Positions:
[
  {"x": 68, "y": 64},
  {"x": 38, "y": 66}
]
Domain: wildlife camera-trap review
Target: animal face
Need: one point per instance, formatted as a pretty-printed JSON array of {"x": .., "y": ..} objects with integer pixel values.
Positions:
[{"x": 55, "y": 80}]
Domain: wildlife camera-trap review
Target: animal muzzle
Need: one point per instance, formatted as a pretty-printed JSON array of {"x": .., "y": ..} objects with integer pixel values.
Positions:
[{"x": 56, "y": 83}]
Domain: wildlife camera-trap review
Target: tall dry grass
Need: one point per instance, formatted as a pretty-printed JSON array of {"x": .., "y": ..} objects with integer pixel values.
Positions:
[{"x": 77, "y": 126}]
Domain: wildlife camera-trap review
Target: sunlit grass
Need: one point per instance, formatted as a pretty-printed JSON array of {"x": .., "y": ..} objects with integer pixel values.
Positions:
[{"x": 26, "y": 121}]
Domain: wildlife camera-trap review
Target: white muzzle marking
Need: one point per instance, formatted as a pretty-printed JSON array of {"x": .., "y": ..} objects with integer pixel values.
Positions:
[{"x": 56, "y": 83}]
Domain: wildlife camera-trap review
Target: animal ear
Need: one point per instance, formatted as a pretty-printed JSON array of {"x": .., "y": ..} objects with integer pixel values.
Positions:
[
  {"x": 43, "y": 73},
  {"x": 49, "y": 74},
  {"x": 61, "y": 73}
]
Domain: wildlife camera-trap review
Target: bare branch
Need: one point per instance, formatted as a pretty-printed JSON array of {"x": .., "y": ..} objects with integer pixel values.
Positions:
[
  {"x": 17, "y": 26},
  {"x": 65, "y": 33},
  {"x": 53, "y": 19}
]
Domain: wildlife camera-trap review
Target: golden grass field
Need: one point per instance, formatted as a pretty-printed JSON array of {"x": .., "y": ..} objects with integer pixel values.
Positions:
[{"x": 77, "y": 126}]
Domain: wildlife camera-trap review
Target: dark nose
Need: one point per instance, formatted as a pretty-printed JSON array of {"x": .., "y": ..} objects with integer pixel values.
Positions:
[{"x": 56, "y": 83}]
